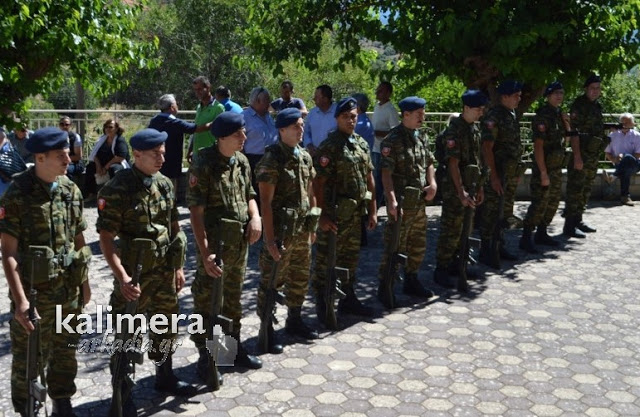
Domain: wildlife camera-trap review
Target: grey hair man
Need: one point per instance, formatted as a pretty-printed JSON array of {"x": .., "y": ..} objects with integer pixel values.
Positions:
[{"x": 624, "y": 152}]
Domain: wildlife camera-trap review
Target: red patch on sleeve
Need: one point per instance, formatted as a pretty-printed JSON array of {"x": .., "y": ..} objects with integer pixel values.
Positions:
[
  {"x": 324, "y": 161},
  {"x": 385, "y": 151},
  {"x": 193, "y": 180},
  {"x": 102, "y": 203},
  {"x": 1, "y": 213},
  {"x": 490, "y": 124},
  {"x": 451, "y": 143},
  {"x": 542, "y": 127}
]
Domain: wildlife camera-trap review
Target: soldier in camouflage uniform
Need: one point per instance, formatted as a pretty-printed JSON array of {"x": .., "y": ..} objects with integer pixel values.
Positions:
[
  {"x": 284, "y": 176},
  {"x": 460, "y": 147},
  {"x": 407, "y": 171},
  {"x": 220, "y": 188},
  {"x": 140, "y": 203},
  {"x": 42, "y": 207},
  {"x": 548, "y": 131},
  {"x": 586, "y": 119},
  {"x": 502, "y": 152},
  {"x": 343, "y": 164}
]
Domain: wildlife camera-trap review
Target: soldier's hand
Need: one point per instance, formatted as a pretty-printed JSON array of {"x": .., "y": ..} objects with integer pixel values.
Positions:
[
  {"x": 22, "y": 316},
  {"x": 466, "y": 199},
  {"x": 480, "y": 196},
  {"x": 373, "y": 221},
  {"x": 179, "y": 279},
  {"x": 272, "y": 247},
  {"x": 577, "y": 164},
  {"x": 129, "y": 291},
  {"x": 496, "y": 184},
  {"x": 254, "y": 230},
  {"x": 312, "y": 237},
  {"x": 392, "y": 211},
  {"x": 211, "y": 267},
  {"x": 430, "y": 192},
  {"x": 544, "y": 179},
  {"x": 327, "y": 225}
]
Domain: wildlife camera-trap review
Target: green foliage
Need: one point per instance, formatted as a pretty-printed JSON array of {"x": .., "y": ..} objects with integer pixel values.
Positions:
[
  {"x": 93, "y": 38},
  {"x": 477, "y": 42},
  {"x": 621, "y": 93}
]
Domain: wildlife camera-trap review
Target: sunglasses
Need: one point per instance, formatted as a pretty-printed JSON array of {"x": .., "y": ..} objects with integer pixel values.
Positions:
[{"x": 65, "y": 124}]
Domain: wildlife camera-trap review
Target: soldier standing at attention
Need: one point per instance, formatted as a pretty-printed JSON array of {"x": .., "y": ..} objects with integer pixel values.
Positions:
[
  {"x": 140, "y": 203},
  {"x": 502, "y": 151},
  {"x": 42, "y": 207},
  {"x": 549, "y": 127},
  {"x": 344, "y": 169},
  {"x": 220, "y": 188},
  {"x": 586, "y": 119},
  {"x": 407, "y": 171},
  {"x": 284, "y": 176},
  {"x": 460, "y": 145}
]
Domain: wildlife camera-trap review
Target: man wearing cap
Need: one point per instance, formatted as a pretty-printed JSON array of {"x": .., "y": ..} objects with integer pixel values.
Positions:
[
  {"x": 320, "y": 121},
  {"x": 460, "y": 143},
  {"x": 343, "y": 187},
  {"x": 138, "y": 203},
  {"x": 42, "y": 207},
  {"x": 76, "y": 167},
  {"x": 284, "y": 176},
  {"x": 586, "y": 119},
  {"x": 624, "y": 153},
  {"x": 220, "y": 196},
  {"x": 407, "y": 172},
  {"x": 502, "y": 151},
  {"x": 549, "y": 128},
  {"x": 18, "y": 138}
]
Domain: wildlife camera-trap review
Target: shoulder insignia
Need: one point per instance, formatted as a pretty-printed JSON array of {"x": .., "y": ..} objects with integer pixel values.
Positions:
[
  {"x": 324, "y": 161},
  {"x": 542, "y": 127},
  {"x": 102, "y": 203},
  {"x": 451, "y": 143},
  {"x": 193, "y": 180},
  {"x": 385, "y": 151}
]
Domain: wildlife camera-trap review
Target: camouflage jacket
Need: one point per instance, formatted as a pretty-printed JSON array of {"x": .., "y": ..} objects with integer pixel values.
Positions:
[
  {"x": 406, "y": 154},
  {"x": 134, "y": 205},
  {"x": 547, "y": 126},
  {"x": 502, "y": 126},
  {"x": 345, "y": 161},
  {"x": 586, "y": 117},
  {"x": 461, "y": 140}
]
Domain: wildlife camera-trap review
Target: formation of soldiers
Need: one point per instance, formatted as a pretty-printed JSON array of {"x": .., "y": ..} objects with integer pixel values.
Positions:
[{"x": 304, "y": 201}]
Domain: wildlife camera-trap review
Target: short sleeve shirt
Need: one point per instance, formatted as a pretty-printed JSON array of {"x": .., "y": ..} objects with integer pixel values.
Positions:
[
  {"x": 204, "y": 115},
  {"x": 501, "y": 126},
  {"x": 405, "y": 153}
]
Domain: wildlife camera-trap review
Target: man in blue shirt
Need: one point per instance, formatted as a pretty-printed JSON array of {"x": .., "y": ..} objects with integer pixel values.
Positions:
[
  {"x": 287, "y": 101},
  {"x": 223, "y": 96},
  {"x": 320, "y": 120}
]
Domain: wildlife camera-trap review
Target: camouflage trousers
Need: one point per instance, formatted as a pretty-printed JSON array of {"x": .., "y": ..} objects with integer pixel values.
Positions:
[
  {"x": 58, "y": 350},
  {"x": 413, "y": 239},
  {"x": 347, "y": 251},
  {"x": 491, "y": 204},
  {"x": 510, "y": 195},
  {"x": 579, "y": 184},
  {"x": 293, "y": 270},
  {"x": 158, "y": 296},
  {"x": 451, "y": 224},
  {"x": 544, "y": 200},
  {"x": 235, "y": 265}
]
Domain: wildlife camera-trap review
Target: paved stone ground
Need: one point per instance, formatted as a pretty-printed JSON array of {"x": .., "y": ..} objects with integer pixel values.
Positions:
[{"x": 556, "y": 335}]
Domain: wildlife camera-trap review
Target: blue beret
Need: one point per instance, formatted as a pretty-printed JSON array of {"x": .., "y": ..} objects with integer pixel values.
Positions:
[
  {"x": 47, "y": 139},
  {"x": 593, "y": 78},
  {"x": 412, "y": 103},
  {"x": 147, "y": 139},
  {"x": 474, "y": 98},
  {"x": 287, "y": 117},
  {"x": 346, "y": 104},
  {"x": 508, "y": 87},
  {"x": 227, "y": 124},
  {"x": 556, "y": 85}
]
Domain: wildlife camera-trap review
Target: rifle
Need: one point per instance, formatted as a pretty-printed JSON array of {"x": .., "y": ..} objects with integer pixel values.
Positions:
[
  {"x": 471, "y": 179},
  {"x": 335, "y": 274},
  {"x": 217, "y": 299},
  {"x": 37, "y": 391},
  {"x": 125, "y": 361},
  {"x": 612, "y": 125},
  {"x": 271, "y": 297},
  {"x": 496, "y": 239},
  {"x": 395, "y": 260}
]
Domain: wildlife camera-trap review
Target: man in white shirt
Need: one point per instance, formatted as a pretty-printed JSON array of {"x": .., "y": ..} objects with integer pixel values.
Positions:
[
  {"x": 320, "y": 120},
  {"x": 385, "y": 117},
  {"x": 624, "y": 152}
]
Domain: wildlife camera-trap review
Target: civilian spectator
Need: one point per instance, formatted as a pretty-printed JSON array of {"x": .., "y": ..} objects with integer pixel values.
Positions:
[
  {"x": 320, "y": 120},
  {"x": 76, "y": 168},
  {"x": 624, "y": 152},
  {"x": 385, "y": 117},
  {"x": 286, "y": 100},
  {"x": 223, "y": 96},
  {"x": 208, "y": 109},
  {"x": 18, "y": 139},
  {"x": 109, "y": 155}
]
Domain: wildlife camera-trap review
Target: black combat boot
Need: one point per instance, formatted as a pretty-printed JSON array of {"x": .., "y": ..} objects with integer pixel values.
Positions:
[
  {"x": 570, "y": 229},
  {"x": 296, "y": 326},
  {"x": 202, "y": 366},
  {"x": 486, "y": 257},
  {"x": 413, "y": 287},
  {"x": 167, "y": 381},
  {"x": 351, "y": 305},
  {"x": 243, "y": 358},
  {"x": 62, "y": 408},
  {"x": 542, "y": 238},
  {"x": 275, "y": 347},
  {"x": 525, "y": 240},
  {"x": 383, "y": 297},
  {"x": 454, "y": 269},
  {"x": 442, "y": 277},
  {"x": 583, "y": 227}
]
